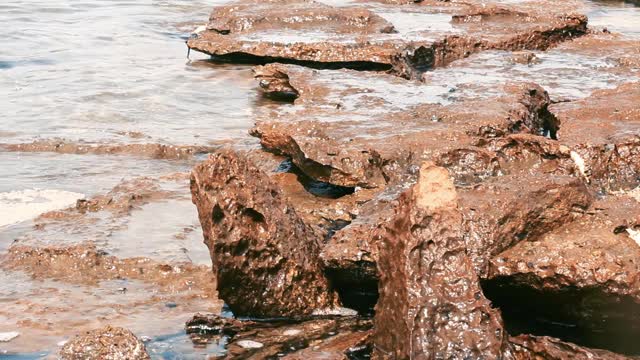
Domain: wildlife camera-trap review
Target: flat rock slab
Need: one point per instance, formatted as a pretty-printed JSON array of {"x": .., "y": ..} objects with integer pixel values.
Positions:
[
  {"x": 596, "y": 250},
  {"x": 351, "y": 131},
  {"x": 406, "y": 39},
  {"x": 580, "y": 279},
  {"x": 313, "y": 338}
]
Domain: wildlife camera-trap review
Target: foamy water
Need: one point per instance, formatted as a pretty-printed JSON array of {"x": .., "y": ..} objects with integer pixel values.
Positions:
[{"x": 18, "y": 206}]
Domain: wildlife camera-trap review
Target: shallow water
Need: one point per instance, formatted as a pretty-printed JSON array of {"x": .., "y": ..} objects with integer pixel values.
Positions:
[
  {"x": 95, "y": 70},
  {"x": 616, "y": 16},
  {"x": 564, "y": 75}
]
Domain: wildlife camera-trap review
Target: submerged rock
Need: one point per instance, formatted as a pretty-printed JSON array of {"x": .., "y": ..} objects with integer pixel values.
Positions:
[
  {"x": 153, "y": 151},
  {"x": 108, "y": 343},
  {"x": 264, "y": 256}
]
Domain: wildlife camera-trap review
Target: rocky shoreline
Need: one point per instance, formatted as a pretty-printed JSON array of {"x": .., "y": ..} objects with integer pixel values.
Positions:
[
  {"x": 433, "y": 180},
  {"x": 477, "y": 218}
]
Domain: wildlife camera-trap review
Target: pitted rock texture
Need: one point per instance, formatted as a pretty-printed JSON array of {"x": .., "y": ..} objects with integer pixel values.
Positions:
[
  {"x": 504, "y": 211},
  {"x": 520, "y": 200},
  {"x": 108, "y": 343},
  {"x": 509, "y": 168},
  {"x": 431, "y": 305},
  {"x": 264, "y": 256},
  {"x": 580, "y": 279},
  {"x": 603, "y": 130},
  {"x": 596, "y": 250}
]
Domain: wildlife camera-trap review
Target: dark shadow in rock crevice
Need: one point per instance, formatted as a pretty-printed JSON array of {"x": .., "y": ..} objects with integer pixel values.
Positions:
[
  {"x": 333, "y": 227},
  {"x": 584, "y": 316},
  {"x": 315, "y": 187},
  {"x": 249, "y": 59},
  {"x": 356, "y": 291}
]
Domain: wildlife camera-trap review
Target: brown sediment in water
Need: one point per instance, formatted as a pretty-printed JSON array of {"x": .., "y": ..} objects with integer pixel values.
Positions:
[
  {"x": 105, "y": 343},
  {"x": 153, "y": 151},
  {"x": 86, "y": 276}
]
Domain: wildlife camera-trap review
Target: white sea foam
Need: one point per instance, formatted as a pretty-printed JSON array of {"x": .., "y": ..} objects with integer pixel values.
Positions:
[
  {"x": 8, "y": 336},
  {"x": 17, "y": 206}
]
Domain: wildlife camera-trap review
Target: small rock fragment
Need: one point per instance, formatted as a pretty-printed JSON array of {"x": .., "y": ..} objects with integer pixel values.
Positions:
[
  {"x": 108, "y": 343},
  {"x": 524, "y": 57},
  {"x": 528, "y": 347}
]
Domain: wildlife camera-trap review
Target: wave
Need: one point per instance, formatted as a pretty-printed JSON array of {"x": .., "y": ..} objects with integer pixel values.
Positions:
[{"x": 18, "y": 206}]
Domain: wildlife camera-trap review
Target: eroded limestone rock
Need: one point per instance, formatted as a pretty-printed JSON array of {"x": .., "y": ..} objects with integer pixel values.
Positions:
[
  {"x": 360, "y": 37},
  {"x": 431, "y": 305},
  {"x": 265, "y": 257}
]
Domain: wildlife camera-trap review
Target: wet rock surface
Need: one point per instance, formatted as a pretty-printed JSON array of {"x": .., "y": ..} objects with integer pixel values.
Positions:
[
  {"x": 431, "y": 304},
  {"x": 107, "y": 343},
  {"x": 603, "y": 131},
  {"x": 329, "y": 146},
  {"x": 500, "y": 214},
  {"x": 361, "y": 37},
  {"x": 516, "y": 164},
  {"x": 579, "y": 279},
  {"x": 320, "y": 338},
  {"x": 264, "y": 256}
]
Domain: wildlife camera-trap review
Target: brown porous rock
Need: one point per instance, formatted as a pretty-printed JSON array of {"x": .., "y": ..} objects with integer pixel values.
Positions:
[{"x": 265, "y": 257}]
